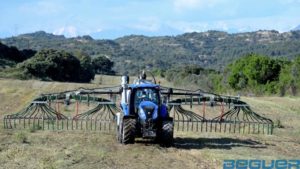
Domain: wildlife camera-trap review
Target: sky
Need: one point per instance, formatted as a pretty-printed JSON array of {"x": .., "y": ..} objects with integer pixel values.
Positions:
[{"x": 110, "y": 19}]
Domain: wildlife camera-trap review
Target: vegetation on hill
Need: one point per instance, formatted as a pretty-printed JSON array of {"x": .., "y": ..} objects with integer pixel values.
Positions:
[
  {"x": 102, "y": 65},
  {"x": 9, "y": 56},
  {"x": 289, "y": 78},
  {"x": 192, "y": 77},
  {"x": 253, "y": 73},
  {"x": 212, "y": 49},
  {"x": 50, "y": 64},
  {"x": 55, "y": 65},
  {"x": 214, "y": 61},
  {"x": 263, "y": 75}
]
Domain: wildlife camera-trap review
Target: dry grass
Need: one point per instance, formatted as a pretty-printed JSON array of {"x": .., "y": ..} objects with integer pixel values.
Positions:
[{"x": 79, "y": 149}]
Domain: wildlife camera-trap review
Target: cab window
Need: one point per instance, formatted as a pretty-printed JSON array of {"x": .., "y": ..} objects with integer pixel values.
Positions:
[{"x": 147, "y": 94}]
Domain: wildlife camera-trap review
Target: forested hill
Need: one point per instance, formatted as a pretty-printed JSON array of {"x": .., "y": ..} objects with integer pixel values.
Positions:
[{"x": 212, "y": 49}]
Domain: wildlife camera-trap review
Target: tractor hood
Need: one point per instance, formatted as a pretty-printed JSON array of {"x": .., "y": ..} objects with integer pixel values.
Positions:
[{"x": 148, "y": 110}]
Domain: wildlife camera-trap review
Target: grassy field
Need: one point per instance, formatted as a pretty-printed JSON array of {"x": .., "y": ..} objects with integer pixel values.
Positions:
[{"x": 79, "y": 149}]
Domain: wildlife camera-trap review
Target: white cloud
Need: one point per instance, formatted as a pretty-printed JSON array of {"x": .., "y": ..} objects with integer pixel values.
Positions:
[
  {"x": 68, "y": 31},
  {"x": 181, "y": 5}
]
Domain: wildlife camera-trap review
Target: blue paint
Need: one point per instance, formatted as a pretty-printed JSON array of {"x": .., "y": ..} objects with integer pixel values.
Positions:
[
  {"x": 142, "y": 113},
  {"x": 164, "y": 111},
  {"x": 125, "y": 109},
  {"x": 144, "y": 85}
]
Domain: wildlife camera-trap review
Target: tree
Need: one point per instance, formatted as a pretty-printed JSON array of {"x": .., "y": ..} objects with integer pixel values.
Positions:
[
  {"x": 27, "y": 53},
  {"x": 58, "y": 66},
  {"x": 86, "y": 69},
  {"x": 102, "y": 65},
  {"x": 289, "y": 78},
  {"x": 252, "y": 71},
  {"x": 13, "y": 54}
]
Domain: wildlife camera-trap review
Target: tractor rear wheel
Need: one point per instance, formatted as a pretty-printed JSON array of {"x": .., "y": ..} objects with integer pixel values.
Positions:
[
  {"x": 166, "y": 133},
  {"x": 128, "y": 130}
]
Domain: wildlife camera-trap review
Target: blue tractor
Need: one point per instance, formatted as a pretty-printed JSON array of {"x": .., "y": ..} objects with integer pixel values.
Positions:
[{"x": 143, "y": 113}]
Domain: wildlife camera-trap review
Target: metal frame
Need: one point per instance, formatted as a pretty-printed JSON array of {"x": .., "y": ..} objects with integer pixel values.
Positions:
[{"x": 44, "y": 112}]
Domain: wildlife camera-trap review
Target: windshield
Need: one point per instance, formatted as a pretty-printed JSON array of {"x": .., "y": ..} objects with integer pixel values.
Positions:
[{"x": 147, "y": 94}]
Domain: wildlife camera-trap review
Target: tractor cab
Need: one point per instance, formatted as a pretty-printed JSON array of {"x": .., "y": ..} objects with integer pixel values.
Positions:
[
  {"x": 146, "y": 94},
  {"x": 143, "y": 95}
]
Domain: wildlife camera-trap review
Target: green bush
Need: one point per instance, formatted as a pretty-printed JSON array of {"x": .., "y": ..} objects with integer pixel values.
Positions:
[
  {"x": 102, "y": 65},
  {"x": 289, "y": 78},
  {"x": 252, "y": 73},
  {"x": 13, "y": 54},
  {"x": 253, "y": 70},
  {"x": 195, "y": 77},
  {"x": 57, "y": 65},
  {"x": 86, "y": 70},
  {"x": 264, "y": 75}
]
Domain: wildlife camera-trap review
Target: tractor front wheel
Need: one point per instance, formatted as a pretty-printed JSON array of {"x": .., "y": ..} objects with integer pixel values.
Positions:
[
  {"x": 166, "y": 134},
  {"x": 127, "y": 130}
]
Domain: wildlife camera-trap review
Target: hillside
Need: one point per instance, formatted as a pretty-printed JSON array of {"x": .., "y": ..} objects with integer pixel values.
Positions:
[
  {"x": 212, "y": 49},
  {"x": 80, "y": 149}
]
